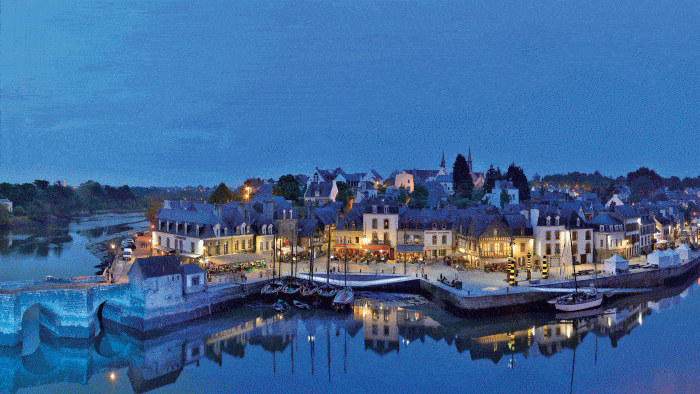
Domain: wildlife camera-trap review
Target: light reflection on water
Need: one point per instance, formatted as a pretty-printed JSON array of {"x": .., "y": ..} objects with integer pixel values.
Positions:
[
  {"x": 58, "y": 249},
  {"x": 388, "y": 343}
]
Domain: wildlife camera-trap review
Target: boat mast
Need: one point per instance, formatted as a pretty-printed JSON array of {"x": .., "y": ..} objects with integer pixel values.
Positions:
[
  {"x": 345, "y": 246},
  {"x": 311, "y": 265},
  {"x": 328, "y": 264},
  {"x": 274, "y": 254}
]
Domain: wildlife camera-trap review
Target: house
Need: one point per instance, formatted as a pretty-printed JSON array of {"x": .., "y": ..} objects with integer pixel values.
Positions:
[
  {"x": 404, "y": 180},
  {"x": 156, "y": 282},
  {"x": 321, "y": 186},
  {"x": 426, "y": 233},
  {"x": 615, "y": 199},
  {"x": 548, "y": 232},
  {"x": 608, "y": 236},
  {"x": 7, "y": 203},
  {"x": 632, "y": 220},
  {"x": 494, "y": 198},
  {"x": 579, "y": 235},
  {"x": 380, "y": 222}
]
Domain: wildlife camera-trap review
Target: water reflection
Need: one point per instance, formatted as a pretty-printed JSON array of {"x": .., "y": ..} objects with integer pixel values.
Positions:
[
  {"x": 316, "y": 342},
  {"x": 43, "y": 249}
]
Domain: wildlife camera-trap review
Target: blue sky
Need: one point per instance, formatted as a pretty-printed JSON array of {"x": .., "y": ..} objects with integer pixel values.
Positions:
[{"x": 199, "y": 92}]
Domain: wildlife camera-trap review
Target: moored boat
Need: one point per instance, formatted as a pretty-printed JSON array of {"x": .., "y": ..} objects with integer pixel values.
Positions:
[
  {"x": 290, "y": 289},
  {"x": 344, "y": 298},
  {"x": 578, "y": 301},
  {"x": 301, "y": 305},
  {"x": 308, "y": 290}
]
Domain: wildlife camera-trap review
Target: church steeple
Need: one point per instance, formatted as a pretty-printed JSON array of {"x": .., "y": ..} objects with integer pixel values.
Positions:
[
  {"x": 442, "y": 163},
  {"x": 469, "y": 160}
]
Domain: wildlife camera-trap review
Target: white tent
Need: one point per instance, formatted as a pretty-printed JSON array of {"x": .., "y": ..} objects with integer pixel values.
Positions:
[
  {"x": 654, "y": 258},
  {"x": 665, "y": 259},
  {"x": 616, "y": 263},
  {"x": 684, "y": 252},
  {"x": 674, "y": 258}
]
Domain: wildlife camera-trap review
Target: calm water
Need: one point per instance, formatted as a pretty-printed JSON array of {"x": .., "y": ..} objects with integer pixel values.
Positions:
[
  {"x": 388, "y": 344},
  {"x": 58, "y": 249}
]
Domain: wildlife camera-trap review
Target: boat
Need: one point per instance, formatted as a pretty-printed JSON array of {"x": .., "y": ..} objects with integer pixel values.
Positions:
[
  {"x": 271, "y": 289},
  {"x": 300, "y": 305},
  {"x": 578, "y": 300},
  {"x": 291, "y": 288},
  {"x": 327, "y": 292},
  {"x": 280, "y": 306},
  {"x": 346, "y": 296},
  {"x": 447, "y": 282},
  {"x": 308, "y": 290}
]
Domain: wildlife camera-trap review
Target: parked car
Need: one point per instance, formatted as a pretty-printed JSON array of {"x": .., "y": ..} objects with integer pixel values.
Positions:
[{"x": 127, "y": 254}]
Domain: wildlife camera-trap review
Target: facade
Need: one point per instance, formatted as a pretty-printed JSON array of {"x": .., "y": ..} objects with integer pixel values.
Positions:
[
  {"x": 161, "y": 282},
  {"x": 548, "y": 230},
  {"x": 404, "y": 180},
  {"x": 581, "y": 236},
  {"x": 380, "y": 224},
  {"x": 608, "y": 236},
  {"x": 494, "y": 198},
  {"x": 633, "y": 222}
]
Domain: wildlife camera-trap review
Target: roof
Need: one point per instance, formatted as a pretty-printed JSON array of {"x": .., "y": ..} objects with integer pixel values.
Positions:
[
  {"x": 443, "y": 178},
  {"x": 191, "y": 269},
  {"x": 605, "y": 219},
  {"x": 324, "y": 189},
  {"x": 156, "y": 266}
]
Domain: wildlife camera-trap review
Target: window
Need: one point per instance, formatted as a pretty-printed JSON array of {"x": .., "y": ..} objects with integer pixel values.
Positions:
[
  {"x": 444, "y": 225},
  {"x": 226, "y": 247},
  {"x": 159, "y": 241},
  {"x": 548, "y": 236},
  {"x": 218, "y": 250},
  {"x": 375, "y": 237},
  {"x": 261, "y": 245},
  {"x": 357, "y": 240},
  {"x": 556, "y": 221},
  {"x": 444, "y": 239},
  {"x": 416, "y": 239},
  {"x": 167, "y": 242},
  {"x": 406, "y": 239},
  {"x": 556, "y": 248},
  {"x": 195, "y": 282},
  {"x": 574, "y": 249},
  {"x": 192, "y": 247},
  {"x": 522, "y": 247},
  {"x": 386, "y": 209},
  {"x": 374, "y": 209},
  {"x": 557, "y": 234},
  {"x": 374, "y": 223},
  {"x": 549, "y": 221},
  {"x": 602, "y": 228},
  {"x": 495, "y": 232},
  {"x": 386, "y": 331},
  {"x": 441, "y": 252},
  {"x": 574, "y": 235},
  {"x": 236, "y": 246},
  {"x": 386, "y": 224},
  {"x": 601, "y": 244},
  {"x": 386, "y": 237},
  {"x": 434, "y": 239},
  {"x": 588, "y": 248},
  {"x": 267, "y": 245},
  {"x": 588, "y": 235},
  {"x": 250, "y": 244}
]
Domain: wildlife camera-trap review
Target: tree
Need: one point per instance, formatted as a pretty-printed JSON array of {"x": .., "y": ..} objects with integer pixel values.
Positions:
[
  {"x": 403, "y": 196},
  {"x": 4, "y": 216},
  {"x": 288, "y": 187},
  {"x": 516, "y": 175},
  {"x": 644, "y": 172},
  {"x": 491, "y": 178},
  {"x": 641, "y": 188},
  {"x": 505, "y": 198},
  {"x": 419, "y": 197},
  {"x": 153, "y": 207},
  {"x": 221, "y": 195},
  {"x": 462, "y": 178},
  {"x": 345, "y": 194},
  {"x": 41, "y": 184},
  {"x": 674, "y": 183}
]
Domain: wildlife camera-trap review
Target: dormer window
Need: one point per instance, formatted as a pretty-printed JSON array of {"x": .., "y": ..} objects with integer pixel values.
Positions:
[
  {"x": 318, "y": 193},
  {"x": 345, "y": 225},
  {"x": 315, "y": 177},
  {"x": 578, "y": 222},
  {"x": 264, "y": 230},
  {"x": 556, "y": 221},
  {"x": 374, "y": 209},
  {"x": 444, "y": 225},
  {"x": 602, "y": 228},
  {"x": 549, "y": 221},
  {"x": 386, "y": 209},
  {"x": 495, "y": 232},
  {"x": 434, "y": 226}
]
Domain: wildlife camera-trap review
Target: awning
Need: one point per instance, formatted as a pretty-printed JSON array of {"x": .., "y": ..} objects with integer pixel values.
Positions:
[
  {"x": 409, "y": 248},
  {"x": 237, "y": 258},
  {"x": 288, "y": 249},
  {"x": 164, "y": 249},
  {"x": 191, "y": 255}
]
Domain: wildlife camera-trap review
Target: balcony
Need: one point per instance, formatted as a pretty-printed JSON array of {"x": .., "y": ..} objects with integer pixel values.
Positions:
[{"x": 379, "y": 242}]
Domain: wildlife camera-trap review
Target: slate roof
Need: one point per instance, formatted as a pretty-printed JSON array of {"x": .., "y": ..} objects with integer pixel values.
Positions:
[
  {"x": 627, "y": 212},
  {"x": 444, "y": 178},
  {"x": 326, "y": 215},
  {"x": 327, "y": 175},
  {"x": 156, "y": 266},
  {"x": 436, "y": 193},
  {"x": 191, "y": 269},
  {"x": 605, "y": 219},
  {"x": 354, "y": 215},
  {"x": 324, "y": 189},
  {"x": 421, "y": 176},
  {"x": 306, "y": 227}
]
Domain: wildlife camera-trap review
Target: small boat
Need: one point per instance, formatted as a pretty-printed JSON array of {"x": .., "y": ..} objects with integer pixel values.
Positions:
[
  {"x": 344, "y": 298},
  {"x": 291, "y": 288},
  {"x": 270, "y": 289},
  {"x": 578, "y": 301},
  {"x": 327, "y": 291},
  {"x": 308, "y": 290},
  {"x": 283, "y": 303},
  {"x": 279, "y": 307},
  {"x": 301, "y": 305}
]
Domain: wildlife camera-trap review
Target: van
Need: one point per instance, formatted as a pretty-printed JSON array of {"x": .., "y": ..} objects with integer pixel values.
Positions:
[{"x": 126, "y": 254}]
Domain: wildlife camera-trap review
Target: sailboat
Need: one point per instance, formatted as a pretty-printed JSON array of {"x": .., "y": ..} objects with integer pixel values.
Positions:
[
  {"x": 309, "y": 289},
  {"x": 578, "y": 300},
  {"x": 271, "y": 289},
  {"x": 345, "y": 297},
  {"x": 327, "y": 292},
  {"x": 291, "y": 289}
]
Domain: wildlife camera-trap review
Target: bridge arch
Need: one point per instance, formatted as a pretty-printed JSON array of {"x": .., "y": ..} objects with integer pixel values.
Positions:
[{"x": 35, "y": 318}]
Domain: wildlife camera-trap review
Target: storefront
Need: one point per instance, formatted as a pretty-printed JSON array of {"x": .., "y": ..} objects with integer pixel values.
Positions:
[{"x": 410, "y": 253}]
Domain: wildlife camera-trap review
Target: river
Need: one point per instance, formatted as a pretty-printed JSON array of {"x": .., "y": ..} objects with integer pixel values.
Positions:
[
  {"x": 59, "y": 249},
  {"x": 389, "y": 343}
]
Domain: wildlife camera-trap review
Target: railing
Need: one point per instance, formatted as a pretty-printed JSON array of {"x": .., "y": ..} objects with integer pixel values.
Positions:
[{"x": 380, "y": 242}]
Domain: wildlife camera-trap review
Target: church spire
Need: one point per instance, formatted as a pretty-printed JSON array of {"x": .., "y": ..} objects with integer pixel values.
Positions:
[
  {"x": 442, "y": 163},
  {"x": 469, "y": 160}
]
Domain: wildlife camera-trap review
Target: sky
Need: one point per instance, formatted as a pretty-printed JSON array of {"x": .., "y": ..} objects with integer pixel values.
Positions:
[{"x": 200, "y": 92}]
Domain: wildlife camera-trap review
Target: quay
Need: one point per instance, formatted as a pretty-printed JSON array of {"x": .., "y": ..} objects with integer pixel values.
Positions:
[{"x": 161, "y": 293}]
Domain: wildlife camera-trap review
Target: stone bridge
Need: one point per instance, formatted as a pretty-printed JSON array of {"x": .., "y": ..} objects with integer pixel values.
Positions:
[{"x": 71, "y": 310}]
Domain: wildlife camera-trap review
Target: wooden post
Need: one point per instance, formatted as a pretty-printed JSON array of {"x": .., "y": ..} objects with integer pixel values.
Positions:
[{"x": 545, "y": 271}]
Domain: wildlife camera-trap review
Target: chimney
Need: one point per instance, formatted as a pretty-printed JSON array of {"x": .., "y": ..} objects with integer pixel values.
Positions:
[
  {"x": 217, "y": 211},
  {"x": 534, "y": 216},
  {"x": 525, "y": 213}
]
